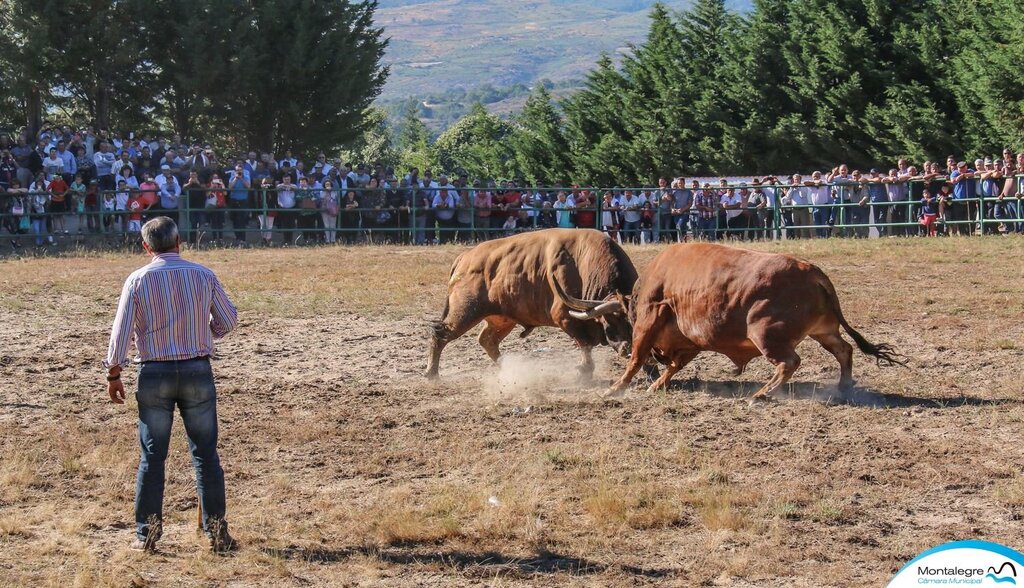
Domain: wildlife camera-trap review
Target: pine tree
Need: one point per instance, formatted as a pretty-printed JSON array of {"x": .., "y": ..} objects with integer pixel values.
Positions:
[
  {"x": 599, "y": 143},
  {"x": 541, "y": 150},
  {"x": 413, "y": 146},
  {"x": 658, "y": 100}
]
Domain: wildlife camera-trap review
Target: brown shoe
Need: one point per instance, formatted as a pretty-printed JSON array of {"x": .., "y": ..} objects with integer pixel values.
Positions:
[{"x": 220, "y": 540}]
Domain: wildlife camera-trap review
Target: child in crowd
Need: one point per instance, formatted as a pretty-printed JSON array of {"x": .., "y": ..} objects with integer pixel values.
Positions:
[
  {"x": 76, "y": 198},
  {"x": 121, "y": 204},
  {"x": 109, "y": 206},
  {"x": 929, "y": 212},
  {"x": 135, "y": 207}
]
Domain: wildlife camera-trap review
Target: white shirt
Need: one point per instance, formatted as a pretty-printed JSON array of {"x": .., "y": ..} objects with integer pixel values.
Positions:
[
  {"x": 820, "y": 195},
  {"x": 798, "y": 196},
  {"x": 732, "y": 201}
]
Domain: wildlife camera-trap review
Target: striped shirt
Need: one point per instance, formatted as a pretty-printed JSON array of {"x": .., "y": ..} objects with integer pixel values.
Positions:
[{"x": 175, "y": 309}]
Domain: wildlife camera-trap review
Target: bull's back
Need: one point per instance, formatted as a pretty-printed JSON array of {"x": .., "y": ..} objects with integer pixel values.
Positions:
[
  {"x": 712, "y": 290},
  {"x": 512, "y": 276}
]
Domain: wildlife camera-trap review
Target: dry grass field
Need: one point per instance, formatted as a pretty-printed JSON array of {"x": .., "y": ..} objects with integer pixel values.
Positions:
[{"x": 345, "y": 468}]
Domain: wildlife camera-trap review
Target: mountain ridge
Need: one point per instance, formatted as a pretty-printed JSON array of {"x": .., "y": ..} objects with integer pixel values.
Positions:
[{"x": 440, "y": 45}]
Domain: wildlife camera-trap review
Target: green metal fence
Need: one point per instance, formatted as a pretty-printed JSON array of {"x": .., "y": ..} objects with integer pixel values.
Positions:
[{"x": 403, "y": 216}]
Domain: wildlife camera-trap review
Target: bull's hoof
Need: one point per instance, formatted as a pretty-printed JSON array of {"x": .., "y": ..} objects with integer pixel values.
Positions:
[
  {"x": 847, "y": 387},
  {"x": 431, "y": 375},
  {"x": 613, "y": 393},
  {"x": 760, "y": 400}
]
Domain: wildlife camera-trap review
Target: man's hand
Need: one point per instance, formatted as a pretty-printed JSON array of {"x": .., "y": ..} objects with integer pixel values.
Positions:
[
  {"x": 116, "y": 391},
  {"x": 115, "y": 388}
]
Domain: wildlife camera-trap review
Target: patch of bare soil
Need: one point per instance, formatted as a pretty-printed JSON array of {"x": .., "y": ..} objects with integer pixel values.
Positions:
[{"x": 345, "y": 467}]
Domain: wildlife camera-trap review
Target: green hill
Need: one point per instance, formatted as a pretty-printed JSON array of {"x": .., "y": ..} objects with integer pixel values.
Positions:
[{"x": 439, "y": 45}]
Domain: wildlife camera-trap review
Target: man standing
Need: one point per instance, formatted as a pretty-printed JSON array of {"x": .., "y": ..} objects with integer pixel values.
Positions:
[
  {"x": 175, "y": 309},
  {"x": 964, "y": 203}
]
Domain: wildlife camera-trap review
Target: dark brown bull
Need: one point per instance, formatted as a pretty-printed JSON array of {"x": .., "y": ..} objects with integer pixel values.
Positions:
[
  {"x": 513, "y": 281},
  {"x": 704, "y": 297}
]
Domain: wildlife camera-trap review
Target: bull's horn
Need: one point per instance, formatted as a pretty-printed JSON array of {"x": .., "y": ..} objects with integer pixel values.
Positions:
[
  {"x": 599, "y": 311},
  {"x": 573, "y": 302}
]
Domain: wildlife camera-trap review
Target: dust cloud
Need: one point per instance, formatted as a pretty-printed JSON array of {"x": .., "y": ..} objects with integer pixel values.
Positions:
[{"x": 530, "y": 377}]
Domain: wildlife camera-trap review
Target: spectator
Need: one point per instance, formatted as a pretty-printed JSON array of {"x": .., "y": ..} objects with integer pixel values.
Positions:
[
  {"x": 195, "y": 197},
  {"x": 464, "y": 214},
  {"x": 53, "y": 165},
  {"x": 631, "y": 205},
  {"x": 564, "y": 210},
  {"x": 121, "y": 206},
  {"x": 929, "y": 213},
  {"x": 21, "y": 154},
  {"x": 104, "y": 163},
  {"x": 69, "y": 160},
  {"x": 444, "y": 209},
  {"x": 329, "y": 208},
  {"x": 286, "y": 217},
  {"x": 798, "y": 198},
  {"x": 609, "y": 215},
  {"x": 648, "y": 221},
  {"x": 682, "y": 204},
  {"x": 665, "y": 200},
  {"x": 85, "y": 164},
  {"x": 731, "y": 202},
  {"x": 482, "y": 203},
  {"x": 586, "y": 214},
  {"x": 964, "y": 192},
  {"x": 76, "y": 199},
  {"x": 39, "y": 200},
  {"x": 759, "y": 210},
  {"x": 120, "y": 164},
  {"x": 350, "y": 217},
  {"x": 58, "y": 189},
  {"x": 821, "y": 201},
  {"x": 170, "y": 191},
  {"x": 20, "y": 206},
  {"x": 239, "y": 182},
  {"x": 879, "y": 198},
  {"x": 706, "y": 202}
]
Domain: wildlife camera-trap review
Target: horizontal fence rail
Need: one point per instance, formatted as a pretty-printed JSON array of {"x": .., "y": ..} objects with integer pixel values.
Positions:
[{"x": 406, "y": 215}]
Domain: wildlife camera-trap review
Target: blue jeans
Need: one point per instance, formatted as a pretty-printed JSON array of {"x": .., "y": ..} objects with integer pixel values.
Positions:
[
  {"x": 821, "y": 217},
  {"x": 189, "y": 386},
  {"x": 707, "y": 228},
  {"x": 682, "y": 221}
]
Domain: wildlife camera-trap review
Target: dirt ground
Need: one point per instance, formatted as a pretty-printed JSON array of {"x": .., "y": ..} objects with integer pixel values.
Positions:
[{"x": 345, "y": 468}]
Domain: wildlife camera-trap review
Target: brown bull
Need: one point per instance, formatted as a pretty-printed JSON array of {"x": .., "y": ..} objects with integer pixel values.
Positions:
[
  {"x": 513, "y": 281},
  {"x": 704, "y": 297}
]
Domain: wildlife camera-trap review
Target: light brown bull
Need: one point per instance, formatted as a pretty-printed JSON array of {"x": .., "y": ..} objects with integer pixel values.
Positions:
[{"x": 516, "y": 280}]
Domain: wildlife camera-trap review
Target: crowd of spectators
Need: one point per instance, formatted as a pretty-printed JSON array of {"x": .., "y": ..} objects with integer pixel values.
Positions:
[{"x": 64, "y": 182}]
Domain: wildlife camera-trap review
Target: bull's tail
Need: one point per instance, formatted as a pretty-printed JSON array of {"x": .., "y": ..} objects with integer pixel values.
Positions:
[
  {"x": 884, "y": 354},
  {"x": 437, "y": 327}
]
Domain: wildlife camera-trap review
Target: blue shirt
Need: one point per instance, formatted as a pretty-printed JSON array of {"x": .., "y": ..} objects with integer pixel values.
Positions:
[
  {"x": 964, "y": 189},
  {"x": 238, "y": 193},
  {"x": 877, "y": 193}
]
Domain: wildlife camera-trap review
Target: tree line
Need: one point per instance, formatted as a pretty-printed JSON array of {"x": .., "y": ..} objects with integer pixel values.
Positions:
[
  {"x": 791, "y": 85},
  {"x": 267, "y": 74}
]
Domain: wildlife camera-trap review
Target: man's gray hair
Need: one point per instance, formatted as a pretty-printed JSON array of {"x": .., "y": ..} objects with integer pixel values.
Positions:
[{"x": 160, "y": 234}]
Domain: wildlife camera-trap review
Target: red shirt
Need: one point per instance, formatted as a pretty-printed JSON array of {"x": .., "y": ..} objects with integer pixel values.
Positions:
[
  {"x": 585, "y": 218},
  {"x": 58, "y": 187},
  {"x": 135, "y": 207}
]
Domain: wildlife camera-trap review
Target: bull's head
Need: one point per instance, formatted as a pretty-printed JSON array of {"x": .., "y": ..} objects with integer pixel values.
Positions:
[{"x": 612, "y": 313}]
